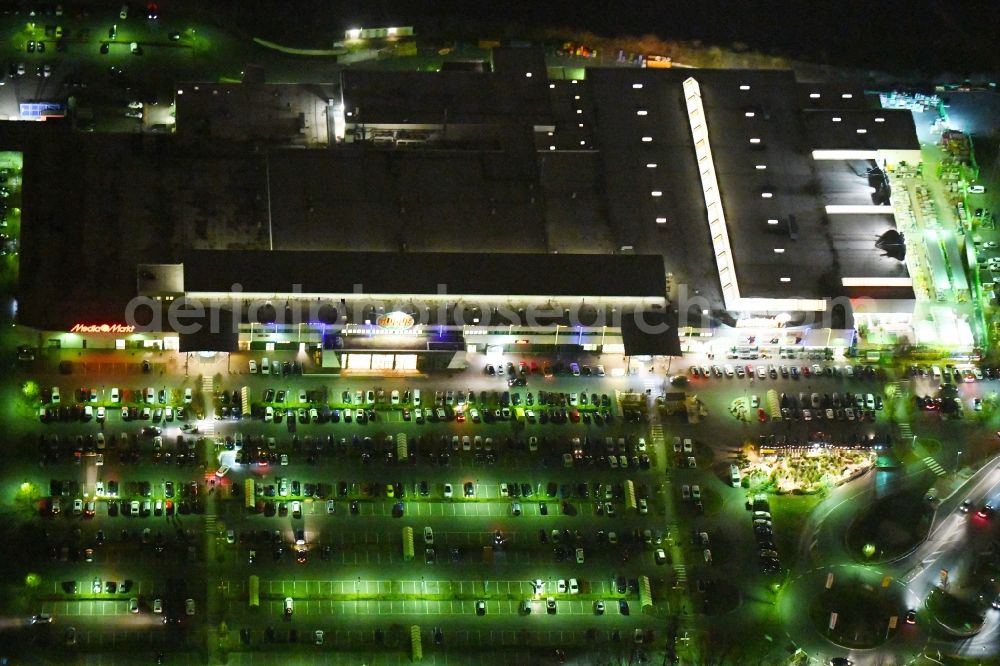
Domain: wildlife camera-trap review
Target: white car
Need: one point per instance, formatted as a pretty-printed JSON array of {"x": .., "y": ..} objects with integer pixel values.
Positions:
[
  {"x": 561, "y": 586},
  {"x": 977, "y": 189},
  {"x": 696, "y": 492},
  {"x": 187, "y": 396},
  {"x": 123, "y": 14},
  {"x": 189, "y": 607},
  {"x": 395, "y": 397},
  {"x": 574, "y": 587},
  {"x": 115, "y": 395},
  {"x": 150, "y": 395},
  {"x": 330, "y": 507},
  {"x": 133, "y": 605},
  {"x": 253, "y": 367},
  {"x": 319, "y": 636},
  {"x": 157, "y": 606},
  {"x": 448, "y": 491},
  {"x": 268, "y": 414},
  {"x": 428, "y": 536},
  {"x": 643, "y": 507}
]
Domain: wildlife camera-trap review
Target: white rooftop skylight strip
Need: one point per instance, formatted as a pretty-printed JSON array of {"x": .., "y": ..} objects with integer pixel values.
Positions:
[
  {"x": 845, "y": 154},
  {"x": 877, "y": 281},
  {"x": 710, "y": 188},
  {"x": 858, "y": 209}
]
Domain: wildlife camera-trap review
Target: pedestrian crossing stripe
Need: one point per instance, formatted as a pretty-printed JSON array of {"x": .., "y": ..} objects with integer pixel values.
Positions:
[{"x": 934, "y": 466}]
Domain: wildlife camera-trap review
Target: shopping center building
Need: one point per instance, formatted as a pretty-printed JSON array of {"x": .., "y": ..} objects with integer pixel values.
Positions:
[{"x": 508, "y": 208}]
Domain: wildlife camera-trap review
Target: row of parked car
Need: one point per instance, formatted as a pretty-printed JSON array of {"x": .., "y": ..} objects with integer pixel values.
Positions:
[
  {"x": 786, "y": 371},
  {"x": 324, "y": 414},
  {"x": 950, "y": 372},
  {"x": 767, "y": 553},
  {"x": 546, "y": 369},
  {"x": 149, "y": 396},
  {"x": 846, "y": 407},
  {"x": 849, "y": 440},
  {"x": 142, "y": 505}
]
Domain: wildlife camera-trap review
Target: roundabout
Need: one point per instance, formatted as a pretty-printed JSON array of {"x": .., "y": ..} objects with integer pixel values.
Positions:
[{"x": 841, "y": 608}]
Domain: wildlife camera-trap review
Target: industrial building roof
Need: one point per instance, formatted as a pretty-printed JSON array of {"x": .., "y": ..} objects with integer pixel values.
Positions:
[
  {"x": 784, "y": 246},
  {"x": 425, "y": 273}
]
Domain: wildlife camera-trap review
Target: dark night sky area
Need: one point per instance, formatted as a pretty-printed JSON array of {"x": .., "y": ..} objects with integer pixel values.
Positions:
[{"x": 902, "y": 36}]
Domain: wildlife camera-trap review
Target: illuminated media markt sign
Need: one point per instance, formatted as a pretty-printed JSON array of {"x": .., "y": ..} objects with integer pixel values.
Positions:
[
  {"x": 395, "y": 321},
  {"x": 102, "y": 328}
]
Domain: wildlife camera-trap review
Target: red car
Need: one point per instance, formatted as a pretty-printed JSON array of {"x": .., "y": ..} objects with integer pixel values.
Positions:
[
  {"x": 762, "y": 416},
  {"x": 806, "y": 371}
]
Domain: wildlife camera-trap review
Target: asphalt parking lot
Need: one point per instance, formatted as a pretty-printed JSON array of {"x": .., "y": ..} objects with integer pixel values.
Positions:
[
  {"x": 351, "y": 562},
  {"x": 365, "y": 573}
]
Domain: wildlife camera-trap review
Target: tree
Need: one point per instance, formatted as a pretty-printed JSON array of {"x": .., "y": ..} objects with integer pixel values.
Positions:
[{"x": 30, "y": 391}]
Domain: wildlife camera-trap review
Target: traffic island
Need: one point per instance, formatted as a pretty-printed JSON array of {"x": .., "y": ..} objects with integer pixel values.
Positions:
[
  {"x": 954, "y": 616},
  {"x": 856, "y": 614},
  {"x": 890, "y": 527}
]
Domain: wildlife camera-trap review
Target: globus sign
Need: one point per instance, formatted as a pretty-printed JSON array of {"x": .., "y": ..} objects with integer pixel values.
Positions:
[
  {"x": 396, "y": 321},
  {"x": 102, "y": 328}
]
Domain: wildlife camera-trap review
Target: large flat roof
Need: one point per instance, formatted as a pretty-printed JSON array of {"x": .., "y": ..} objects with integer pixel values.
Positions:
[
  {"x": 97, "y": 205},
  {"x": 860, "y": 129},
  {"x": 391, "y": 97},
  {"x": 387, "y": 200},
  {"x": 270, "y": 112},
  {"x": 425, "y": 273},
  {"x": 487, "y": 183},
  {"x": 782, "y": 242}
]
